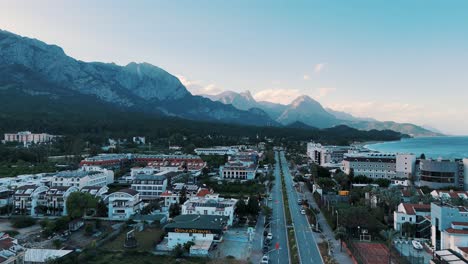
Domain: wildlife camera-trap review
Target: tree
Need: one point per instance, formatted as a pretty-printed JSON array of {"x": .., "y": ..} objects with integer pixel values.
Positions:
[
  {"x": 183, "y": 195},
  {"x": 389, "y": 234},
  {"x": 57, "y": 243},
  {"x": 89, "y": 228},
  {"x": 327, "y": 184},
  {"x": 178, "y": 251},
  {"x": 252, "y": 206},
  {"x": 383, "y": 183},
  {"x": 391, "y": 197},
  {"x": 241, "y": 207},
  {"x": 174, "y": 210},
  {"x": 423, "y": 156},
  {"x": 79, "y": 202},
  {"x": 340, "y": 234},
  {"x": 101, "y": 209}
]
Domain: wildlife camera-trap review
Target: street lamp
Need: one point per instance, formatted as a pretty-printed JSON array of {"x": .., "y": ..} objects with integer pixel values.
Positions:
[{"x": 337, "y": 223}]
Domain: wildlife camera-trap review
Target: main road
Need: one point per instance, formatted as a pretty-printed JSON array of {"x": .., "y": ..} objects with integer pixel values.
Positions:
[
  {"x": 305, "y": 240},
  {"x": 278, "y": 221}
]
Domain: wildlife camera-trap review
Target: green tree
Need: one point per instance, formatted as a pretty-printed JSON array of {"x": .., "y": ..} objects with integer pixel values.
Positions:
[
  {"x": 79, "y": 202},
  {"x": 253, "y": 207},
  {"x": 340, "y": 233},
  {"x": 178, "y": 251},
  {"x": 174, "y": 210},
  {"x": 241, "y": 208},
  {"x": 183, "y": 195}
]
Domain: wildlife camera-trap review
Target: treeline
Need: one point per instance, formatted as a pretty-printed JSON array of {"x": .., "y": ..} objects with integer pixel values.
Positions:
[{"x": 93, "y": 121}]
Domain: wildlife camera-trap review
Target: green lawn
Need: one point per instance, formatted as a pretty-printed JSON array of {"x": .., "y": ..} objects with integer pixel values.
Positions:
[{"x": 146, "y": 240}]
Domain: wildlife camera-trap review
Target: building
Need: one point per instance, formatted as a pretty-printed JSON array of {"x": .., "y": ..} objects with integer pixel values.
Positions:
[
  {"x": 173, "y": 196},
  {"x": 449, "y": 195},
  {"x": 10, "y": 251},
  {"x": 322, "y": 155},
  {"x": 217, "y": 151},
  {"x": 139, "y": 140},
  {"x": 441, "y": 173},
  {"x": 371, "y": 165},
  {"x": 43, "y": 256},
  {"x": 26, "y": 137},
  {"x": 85, "y": 176},
  {"x": 414, "y": 214},
  {"x": 123, "y": 204},
  {"x": 26, "y": 198},
  {"x": 150, "y": 186},
  {"x": 107, "y": 160},
  {"x": 449, "y": 226},
  {"x": 405, "y": 166},
  {"x": 56, "y": 199},
  {"x": 202, "y": 230},
  {"x": 6, "y": 196},
  {"x": 96, "y": 191},
  {"x": 211, "y": 204},
  {"x": 237, "y": 170},
  {"x": 172, "y": 162}
]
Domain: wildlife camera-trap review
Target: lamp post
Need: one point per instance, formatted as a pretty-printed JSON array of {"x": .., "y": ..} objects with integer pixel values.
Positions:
[{"x": 337, "y": 223}]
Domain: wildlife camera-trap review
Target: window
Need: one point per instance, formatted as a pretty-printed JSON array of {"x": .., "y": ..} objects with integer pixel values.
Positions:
[{"x": 403, "y": 218}]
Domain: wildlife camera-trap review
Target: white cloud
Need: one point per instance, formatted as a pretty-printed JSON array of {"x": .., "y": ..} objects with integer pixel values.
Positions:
[
  {"x": 306, "y": 77},
  {"x": 197, "y": 87},
  {"x": 319, "y": 67},
  {"x": 280, "y": 96},
  {"x": 324, "y": 91}
]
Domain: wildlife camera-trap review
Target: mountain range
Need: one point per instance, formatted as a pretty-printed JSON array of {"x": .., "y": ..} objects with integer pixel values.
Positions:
[
  {"x": 307, "y": 111},
  {"x": 34, "y": 68},
  {"x": 135, "y": 87}
]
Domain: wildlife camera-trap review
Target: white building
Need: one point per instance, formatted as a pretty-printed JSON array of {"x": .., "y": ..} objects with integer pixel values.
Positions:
[
  {"x": 449, "y": 226},
  {"x": 217, "y": 151},
  {"x": 150, "y": 186},
  {"x": 86, "y": 176},
  {"x": 405, "y": 165},
  {"x": 322, "y": 155},
  {"x": 202, "y": 230},
  {"x": 416, "y": 214},
  {"x": 211, "y": 204},
  {"x": 27, "y": 137},
  {"x": 123, "y": 204},
  {"x": 448, "y": 195},
  {"x": 173, "y": 196},
  {"x": 237, "y": 170},
  {"x": 11, "y": 252},
  {"x": 371, "y": 165}
]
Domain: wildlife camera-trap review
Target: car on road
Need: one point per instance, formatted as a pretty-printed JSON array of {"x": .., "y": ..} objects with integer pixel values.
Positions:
[
  {"x": 265, "y": 249},
  {"x": 265, "y": 259},
  {"x": 417, "y": 245},
  {"x": 270, "y": 198},
  {"x": 270, "y": 236},
  {"x": 299, "y": 201},
  {"x": 303, "y": 212}
]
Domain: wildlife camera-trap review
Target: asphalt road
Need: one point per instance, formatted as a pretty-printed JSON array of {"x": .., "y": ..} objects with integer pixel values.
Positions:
[
  {"x": 307, "y": 246},
  {"x": 278, "y": 223}
]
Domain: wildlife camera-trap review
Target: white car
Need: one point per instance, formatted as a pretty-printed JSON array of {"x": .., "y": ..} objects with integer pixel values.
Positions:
[
  {"x": 303, "y": 212},
  {"x": 265, "y": 259},
  {"x": 417, "y": 245},
  {"x": 270, "y": 198},
  {"x": 270, "y": 236}
]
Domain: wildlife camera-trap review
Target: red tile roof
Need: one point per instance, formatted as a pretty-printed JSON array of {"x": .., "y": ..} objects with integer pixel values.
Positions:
[
  {"x": 456, "y": 231},
  {"x": 203, "y": 192},
  {"x": 6, "y": 243},
  {"x": 460, "y": 223},
  {"x": 464, "y": 249},
  {"x": 411, "y": 209}
]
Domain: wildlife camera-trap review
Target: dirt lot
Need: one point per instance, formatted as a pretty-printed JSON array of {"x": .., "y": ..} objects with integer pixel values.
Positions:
[{"x": 146, "y": 240}]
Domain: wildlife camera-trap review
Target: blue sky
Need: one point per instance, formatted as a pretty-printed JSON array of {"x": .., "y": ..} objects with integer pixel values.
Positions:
[{"x": 392, "y": 60}]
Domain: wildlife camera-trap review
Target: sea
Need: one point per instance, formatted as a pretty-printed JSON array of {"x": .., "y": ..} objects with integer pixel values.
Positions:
[{"x": 433, "y": 147}]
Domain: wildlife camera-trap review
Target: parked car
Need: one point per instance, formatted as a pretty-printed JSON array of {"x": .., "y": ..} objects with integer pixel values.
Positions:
[
  {"x": 265, "y": 249},
  {"x": 265, "y": 259},
  {"x": 270, "y": 198},
  {"x": 299, "y": 201},
  {"x": 417, "y": 245},
  {"x": 303, "y": 212}
]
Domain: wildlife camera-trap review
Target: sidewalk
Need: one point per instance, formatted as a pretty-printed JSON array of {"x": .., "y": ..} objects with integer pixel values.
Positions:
[{"x": 340, "y": 257}]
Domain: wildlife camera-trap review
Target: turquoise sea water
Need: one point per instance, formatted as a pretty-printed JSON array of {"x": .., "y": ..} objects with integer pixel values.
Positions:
[{"x": 432, "y": 147}]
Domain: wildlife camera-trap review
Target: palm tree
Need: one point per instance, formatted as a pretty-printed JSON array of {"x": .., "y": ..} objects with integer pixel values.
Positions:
[
  {"x": 340, "y": 234},
  {"x": 389, "y": 234}
]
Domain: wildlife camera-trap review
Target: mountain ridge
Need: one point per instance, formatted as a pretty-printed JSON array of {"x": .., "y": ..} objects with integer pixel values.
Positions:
[
  {"x": 311, "y": 113},
  {"x": 140, "y": 86}
]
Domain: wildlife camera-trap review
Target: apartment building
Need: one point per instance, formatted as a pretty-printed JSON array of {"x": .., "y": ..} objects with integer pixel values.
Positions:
[
  {"x": 27, "y": 197},
  {"x": 323, "y": 155},
  {"x": 26, "y": 137},
  {"x": 371, "y": 165},
  {"x": 440, "y": 173},
  {"x": 150, "y": 186},
  {"x": 85, "y": 176},
  {"x": 55, "y": 199},
  {"x": 237, "y": 170},
  {"x": 220, "y": 151},
  {"x": 123, "y": 204}
]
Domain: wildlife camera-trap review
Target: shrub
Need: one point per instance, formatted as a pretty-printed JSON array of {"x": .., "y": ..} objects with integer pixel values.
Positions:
[{"x": 23, "y": 221}]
